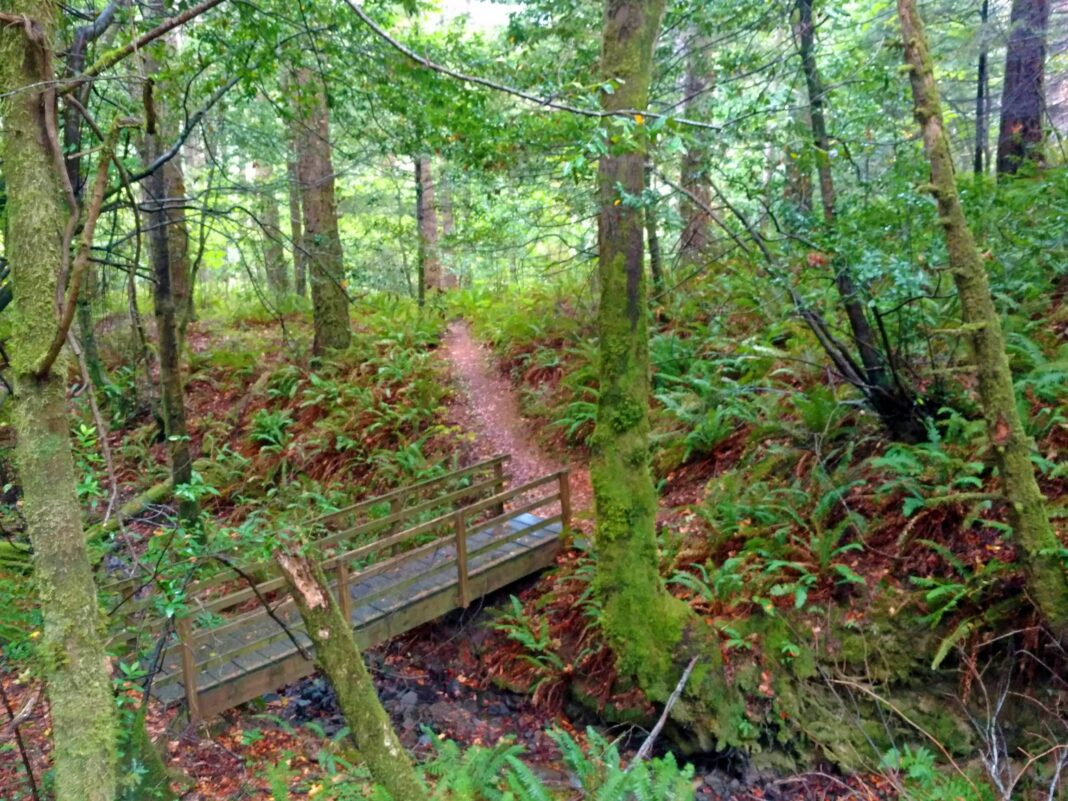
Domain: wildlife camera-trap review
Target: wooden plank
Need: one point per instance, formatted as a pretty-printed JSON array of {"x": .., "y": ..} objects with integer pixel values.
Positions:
[
  {"x": 189, "y": 671},
  {"x": 461, "y": 560}
]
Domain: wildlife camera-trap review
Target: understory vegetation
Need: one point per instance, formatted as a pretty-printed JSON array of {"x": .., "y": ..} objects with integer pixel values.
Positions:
[{"x": 533, "y": 401}]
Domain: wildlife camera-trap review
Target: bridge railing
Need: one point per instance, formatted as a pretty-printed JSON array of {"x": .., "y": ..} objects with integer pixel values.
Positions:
[
  {"x": 453, "y": 545},
  {"x": 208, "y": 596},
  {"x": 433, "y": 519}
]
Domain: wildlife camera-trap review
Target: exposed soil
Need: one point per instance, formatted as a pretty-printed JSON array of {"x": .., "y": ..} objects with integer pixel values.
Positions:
[{"x": 487, "y": 407}]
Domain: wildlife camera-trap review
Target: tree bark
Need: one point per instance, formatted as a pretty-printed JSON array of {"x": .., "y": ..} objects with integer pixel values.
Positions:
[
  {"x": 1023, "y": 102},
  {"x": 338, "y": 656},
  {"x": 1039, "y": 546},
  {"x": 656, "y": 264},
  {"x": 694, "y": 239},
  {"x": 322, "y": 241},
  {"x": 76, "y": 668},
  {"x": 1057, "y": 84},
  {"x": 274, "y": 260},
  {"x": 296, "y": 230},
  {"x": 643, "y": 622},
  {"x": 427, "y": 223},
  {"x": 982, "y": 95},
  {"x": 172, "y": 394},
  {"x": 863, "y": 335}
]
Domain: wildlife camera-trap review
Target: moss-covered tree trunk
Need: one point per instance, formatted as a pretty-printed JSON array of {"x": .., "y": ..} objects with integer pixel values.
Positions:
[
  {"x": 76, "y": 669},
  {"x": 296, "y": 230},
  {"x": 1038, "y": 544},
  {"x": 1023, "y": 97},
  {"x": 274, "y": 260},
  {"x": 172, "y": 393},
  {"x": 642, "y": 620},
  {"x": 339, "y": 657},
  {"x": 322, "y": 242}
]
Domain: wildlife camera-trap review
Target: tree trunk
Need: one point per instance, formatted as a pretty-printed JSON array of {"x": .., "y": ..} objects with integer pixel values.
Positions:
[
  {"x": 1023, "y": 103},
  {"x": 863, "y": 335},
  {"x": 172, "y": 396},
  {"x": 982, "y": 95},
  {"x": 656, "y": 267},
  {"x": 448, "y": 229},
  {"x": 338, "y": 656},
  {"x": 84, "y": 729},
  {"x": 694, "y": 239},
  {"x": 427, "y": 222},
  {"x": 322, "y": 242},
  {"x": 642, "y": 621},
  {"x": 296, "y": 228},
  {"x": 1039, "y": 546},
  {"x": 274, "y": 260},
  {"x": 178, "y": 243},
  {"x": 1057, "y": 84}
]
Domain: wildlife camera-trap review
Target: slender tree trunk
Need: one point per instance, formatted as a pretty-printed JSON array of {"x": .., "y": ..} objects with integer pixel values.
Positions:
[
  {"x": 322, "y": 241},
  {"x": 178, "y": 245},
  {"x": 1057, "y": 90},
  {"x": 1023, "y": 102},
  {"x": 858, "y": 319},
  {"x": 1039, "y": 546},
  {"x": 427, "y": 222},
  {"x": 84, "y": 729},
  {"x": 656, "y": 267},
  {"x": 274, "y": 260},
  {"x": 448, "y": 228},
  {"x": 172, "y": 395},
  {"x": 694, "y": 239},
  {"x": 296, "y": 230},
  {"x": 642, "y": 620},
  {"x": 982, "y": 94},
  {"x": 338, "y": 656}
]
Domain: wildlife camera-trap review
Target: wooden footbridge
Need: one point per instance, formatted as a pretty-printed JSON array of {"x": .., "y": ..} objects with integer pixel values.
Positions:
[{"x": 394, "y": 562}]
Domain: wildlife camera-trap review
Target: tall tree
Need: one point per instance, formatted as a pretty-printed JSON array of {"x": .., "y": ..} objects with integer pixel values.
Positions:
[
  {"x": 84, "y": 729},
  {"x": 894, "y": 404},
  {"x": 274, "y": 260},
  {"x": 1012, "y": 448},
  {"x": 296, "y": 229},
  {"x": 1023, "y": 101},
  {"x": 426, "y": 217},
  {"x": 696, "y": 201},
  {"x": 982, "y": 94},
  {"x": 322, "y": 241},
  {"x": 641, "y": 619},
  {"x": 166, "y": 307}
]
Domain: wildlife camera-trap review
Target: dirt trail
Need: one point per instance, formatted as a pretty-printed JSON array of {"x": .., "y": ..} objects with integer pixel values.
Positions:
[{"x": 489, "y": 409}]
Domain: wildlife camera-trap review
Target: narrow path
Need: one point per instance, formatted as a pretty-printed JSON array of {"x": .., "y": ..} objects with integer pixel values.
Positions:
[{"x": 489, "y": 409}]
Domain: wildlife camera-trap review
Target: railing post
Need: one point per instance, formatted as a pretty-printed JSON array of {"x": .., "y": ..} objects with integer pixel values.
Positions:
[
  {"x": 461, "y": 558},
  {"x": 498, "y": 487},
  {"x": 343, "y": 597},
  {"x": 189, "y": 668},
  {"x": 565, "y": 502}
]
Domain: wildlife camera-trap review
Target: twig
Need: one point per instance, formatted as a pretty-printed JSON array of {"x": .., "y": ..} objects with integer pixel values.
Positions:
[
  {"x": 16, "y": 720},
  {"x": 81, "y": 260},
  {"x": 115, "y": 56},
  {"x": 647, "y": 747},
  {"x": 266, "y": 606},
  {"x": 544, "y": 102}
]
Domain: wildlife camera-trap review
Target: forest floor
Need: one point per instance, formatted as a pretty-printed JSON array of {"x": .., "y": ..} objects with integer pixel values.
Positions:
[{"x": 437, "y": 678}]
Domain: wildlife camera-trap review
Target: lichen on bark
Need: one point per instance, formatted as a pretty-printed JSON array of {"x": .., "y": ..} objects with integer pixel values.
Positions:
[
  {"x": 1012, "y": 448},
  {"x": 643, "y": 622},
  {"x": 75, "y": 664}
]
